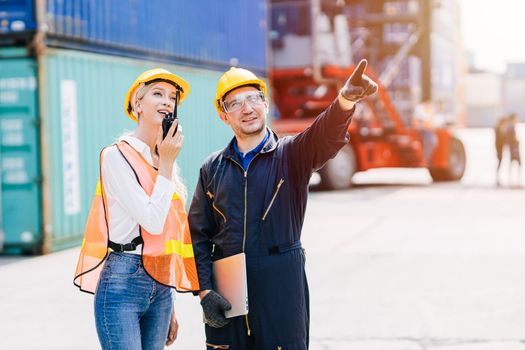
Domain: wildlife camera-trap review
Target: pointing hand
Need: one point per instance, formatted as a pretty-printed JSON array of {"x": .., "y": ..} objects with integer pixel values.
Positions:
[{"x": 359, "y": 85}]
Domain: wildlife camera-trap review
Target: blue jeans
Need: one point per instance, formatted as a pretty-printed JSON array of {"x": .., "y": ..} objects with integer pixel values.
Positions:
[{"x": 132, "y": 311}]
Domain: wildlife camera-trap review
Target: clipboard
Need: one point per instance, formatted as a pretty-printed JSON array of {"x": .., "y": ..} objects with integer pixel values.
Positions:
[{"x": 230, "y": 280}]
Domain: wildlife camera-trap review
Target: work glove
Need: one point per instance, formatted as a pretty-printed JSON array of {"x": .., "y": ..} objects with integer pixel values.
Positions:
[
  {"x": 214, "y": 305},
  {"x": 359, "y": 86}
]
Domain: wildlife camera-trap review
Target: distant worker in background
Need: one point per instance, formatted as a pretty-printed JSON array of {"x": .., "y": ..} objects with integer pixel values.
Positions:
[
  {"x": 137, "y": 245},
  {"x": 441, "y": 117},
  {"x": 500, "y": 132},
  {"x": 423, "y": 121},
  {"x": 251, "y": 198},
  {"x": 514, "y": 147}
]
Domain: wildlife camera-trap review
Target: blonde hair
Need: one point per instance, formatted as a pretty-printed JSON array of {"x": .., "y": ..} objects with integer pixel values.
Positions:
[{"x": 139, "y": 95}]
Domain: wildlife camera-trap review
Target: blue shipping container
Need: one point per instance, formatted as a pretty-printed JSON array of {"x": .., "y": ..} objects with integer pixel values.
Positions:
[
  {"x": 17, "y": 16},
  {"x": 202, "y": 33}
]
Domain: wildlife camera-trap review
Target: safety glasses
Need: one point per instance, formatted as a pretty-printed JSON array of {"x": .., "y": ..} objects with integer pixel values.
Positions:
[{"x": 254, "y": 98}]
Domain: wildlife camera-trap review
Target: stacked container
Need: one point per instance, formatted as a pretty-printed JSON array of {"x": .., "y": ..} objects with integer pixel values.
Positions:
[
  {"x": 377, "y": 30},
  {"x": 432, "y": 71},
  {"x": 62, "y": 88},
  {"x": 514, "y": 90}
]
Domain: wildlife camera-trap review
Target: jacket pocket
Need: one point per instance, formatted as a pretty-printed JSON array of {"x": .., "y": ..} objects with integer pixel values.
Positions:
[
  {"x": 273, "y": 199},
  {"x": 210, "y": 195},
  {"x": 214, "y": 346}
]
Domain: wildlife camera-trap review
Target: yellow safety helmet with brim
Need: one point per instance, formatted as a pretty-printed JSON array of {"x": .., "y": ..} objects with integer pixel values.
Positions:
[
  {"x": 151, "y": 75},
  {"x": 234, "y": 78}
]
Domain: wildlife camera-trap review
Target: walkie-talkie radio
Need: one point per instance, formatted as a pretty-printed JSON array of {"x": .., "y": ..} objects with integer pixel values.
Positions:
[{"x": 170, "y": 118}]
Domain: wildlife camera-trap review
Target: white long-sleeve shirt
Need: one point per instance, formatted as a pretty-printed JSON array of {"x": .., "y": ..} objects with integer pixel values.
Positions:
[{"x": 128, "y": 204}]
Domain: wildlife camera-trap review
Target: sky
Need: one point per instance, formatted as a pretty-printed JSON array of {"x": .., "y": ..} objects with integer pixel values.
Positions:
[{"x": 494, "y": 30}]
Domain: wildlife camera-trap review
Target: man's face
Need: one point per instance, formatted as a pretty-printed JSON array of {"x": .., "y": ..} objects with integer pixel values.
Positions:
[{"x": 247, "y": 113}]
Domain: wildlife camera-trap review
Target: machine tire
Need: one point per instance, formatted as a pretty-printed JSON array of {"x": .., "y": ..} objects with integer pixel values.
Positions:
[
  {"x": 337, "y": 173},
  {"x": 456, "y": 160}
]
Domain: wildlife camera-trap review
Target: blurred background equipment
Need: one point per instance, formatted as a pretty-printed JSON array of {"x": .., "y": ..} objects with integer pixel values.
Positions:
[
  {"x": 415, "y": 55},
  {"x": 65, "y": 67}
]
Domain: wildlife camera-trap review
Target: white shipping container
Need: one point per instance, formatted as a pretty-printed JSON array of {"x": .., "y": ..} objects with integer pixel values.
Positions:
[
  {"x": 483, "y": 89},
  {"x": 295, "y": 52},
  {"x": 514, "y": 97}
]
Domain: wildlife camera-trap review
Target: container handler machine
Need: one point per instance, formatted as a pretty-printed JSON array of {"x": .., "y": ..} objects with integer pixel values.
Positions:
[{"x": 316, "y": 42}]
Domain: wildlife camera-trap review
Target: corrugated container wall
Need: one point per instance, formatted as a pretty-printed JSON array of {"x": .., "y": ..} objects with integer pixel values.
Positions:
[
  {"x": 514, "y": 90},
  {"x": 204, "y": 33},
  {"x": 80, "y": 99},
  {"x": 447, "y": 59},
  {"x": 20, "y": 180},
  {"x": 199, "y": 32},
  {"x": 17, "y": 16},
  {"x": 98, "y": 83},
  {"x": 86, "y": 57},
  {"x": 483, "y": 106}
]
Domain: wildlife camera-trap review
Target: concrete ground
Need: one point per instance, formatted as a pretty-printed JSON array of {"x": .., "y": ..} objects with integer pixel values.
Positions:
[{"x": 397, "y": 263}]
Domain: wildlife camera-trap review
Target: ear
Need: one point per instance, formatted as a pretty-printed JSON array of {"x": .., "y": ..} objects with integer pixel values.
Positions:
[
  {"x": 266, "y": 107},
  {"x": 224, "y": 118}
]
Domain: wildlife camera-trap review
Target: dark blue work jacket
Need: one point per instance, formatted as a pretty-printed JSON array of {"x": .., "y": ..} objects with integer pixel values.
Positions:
[{"x": 260, "y": 211}]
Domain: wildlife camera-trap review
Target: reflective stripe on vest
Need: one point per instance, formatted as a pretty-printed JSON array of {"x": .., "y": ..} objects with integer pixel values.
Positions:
[{"x": 168, "y": 258}]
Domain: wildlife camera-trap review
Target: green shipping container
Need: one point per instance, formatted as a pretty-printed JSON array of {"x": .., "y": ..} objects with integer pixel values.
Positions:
[
  {"x": 20, "y": 222},
  {"x": 49, "y": 177}
]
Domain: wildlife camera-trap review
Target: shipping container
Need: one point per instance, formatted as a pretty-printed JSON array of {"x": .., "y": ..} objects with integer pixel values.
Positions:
[
  {"x": 515, "y": 71},
  {"x": 49, "y": 178},
  {"x": 203, "y": 33},
  {"x": 20, "y": 221},
  {"x": 17, "y": 16},
  {"x": 411, "y": 60},
  {"x": 484, "y": 105},
  {"x": 483, "y": 116},
  {"x": 514, "y": 96}
]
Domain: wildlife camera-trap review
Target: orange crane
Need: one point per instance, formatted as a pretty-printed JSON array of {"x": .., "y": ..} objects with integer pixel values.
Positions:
[{"x": 379, "y": 134}]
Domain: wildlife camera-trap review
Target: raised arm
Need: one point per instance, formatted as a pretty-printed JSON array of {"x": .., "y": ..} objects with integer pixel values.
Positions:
[{"x": 329, "y": 132}]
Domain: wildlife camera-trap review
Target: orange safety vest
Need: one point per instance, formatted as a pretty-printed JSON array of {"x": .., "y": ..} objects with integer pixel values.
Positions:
[{"x": 167, "y": 258}]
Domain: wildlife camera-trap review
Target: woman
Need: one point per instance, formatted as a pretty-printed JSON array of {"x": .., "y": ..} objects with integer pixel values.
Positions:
[{"x": 138, "y": 213}]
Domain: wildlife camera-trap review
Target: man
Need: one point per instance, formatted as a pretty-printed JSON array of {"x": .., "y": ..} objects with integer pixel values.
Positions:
[
  {"x": 424, "y": 122},
  {"x": 251, "y": 198}
]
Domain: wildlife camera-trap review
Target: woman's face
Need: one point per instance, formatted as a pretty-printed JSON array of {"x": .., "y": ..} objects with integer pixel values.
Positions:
[{"x": 158, "y": 101}]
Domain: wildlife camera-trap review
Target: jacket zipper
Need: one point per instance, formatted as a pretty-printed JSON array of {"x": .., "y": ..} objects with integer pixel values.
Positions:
[
  {"x": 245, "y": 195},
  {"x": 273, "y": 199},
  {"x": 214, "y": 207},
  {"x": 245, "y": 213}
]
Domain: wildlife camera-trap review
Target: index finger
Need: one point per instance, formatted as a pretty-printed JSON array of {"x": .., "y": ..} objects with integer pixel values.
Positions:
[{"x": 358, "y": 73}]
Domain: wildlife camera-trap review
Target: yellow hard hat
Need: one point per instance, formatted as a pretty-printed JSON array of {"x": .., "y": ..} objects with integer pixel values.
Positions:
[
  {"x": 234, "y": 78},
  {"x": 150, "y": 75}
]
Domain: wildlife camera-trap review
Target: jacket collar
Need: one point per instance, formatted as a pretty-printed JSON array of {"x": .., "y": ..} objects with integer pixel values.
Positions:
[
  {"x": 269, "y": 146},
  {"x": 139, "y": 145}
]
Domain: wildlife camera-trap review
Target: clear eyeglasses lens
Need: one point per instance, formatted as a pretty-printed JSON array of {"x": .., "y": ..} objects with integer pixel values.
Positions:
[{"x": 236, "y": 104}]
